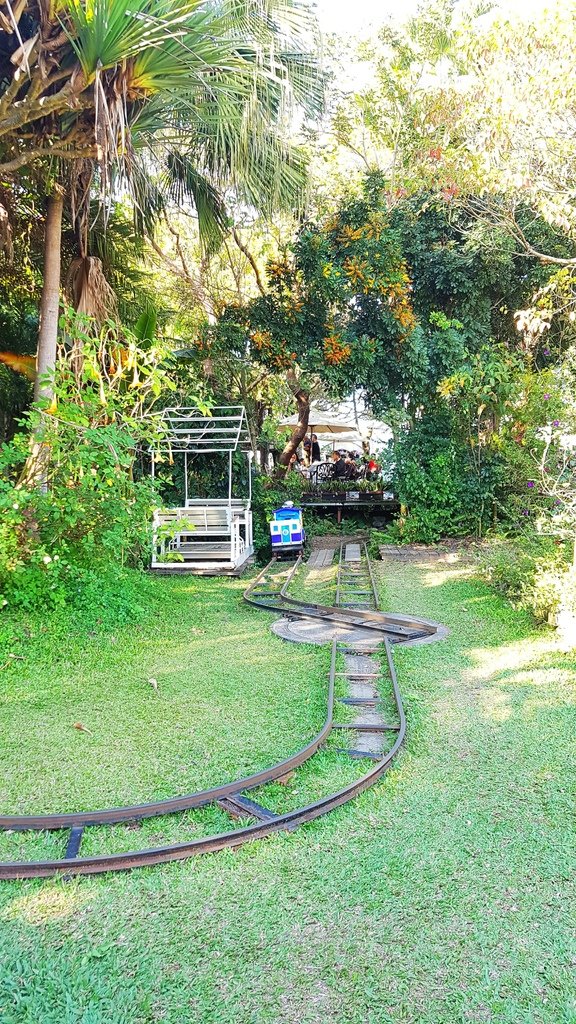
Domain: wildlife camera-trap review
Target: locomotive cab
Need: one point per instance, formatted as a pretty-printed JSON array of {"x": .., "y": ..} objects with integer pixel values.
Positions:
[{"x": 287, "y": 530}]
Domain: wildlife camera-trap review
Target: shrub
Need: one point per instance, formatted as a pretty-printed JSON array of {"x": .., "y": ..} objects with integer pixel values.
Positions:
[
  {"x": 70, "y": 509},
  {"x": 533, "y": 572},
  {"x": 445, "y": 492},
  {"x": 52, "y": 543}
]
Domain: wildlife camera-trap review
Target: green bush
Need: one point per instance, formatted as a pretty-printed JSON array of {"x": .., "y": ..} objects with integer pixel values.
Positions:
[
  {"x": 54, "y": 543},
  {"x": 533, "y": 572},
  {"x": 317, "y": 524},
  {"x": 71, "y": 511},
  {"x": 391, "y": 534},
  {"x": 446, "y": 493},
  {"x": 553, "y": 589}
]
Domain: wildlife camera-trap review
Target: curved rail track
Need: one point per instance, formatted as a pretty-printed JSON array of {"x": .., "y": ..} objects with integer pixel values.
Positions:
[
  {"x": 397, "y": 628},
  {"x": 266, "y": 593}
]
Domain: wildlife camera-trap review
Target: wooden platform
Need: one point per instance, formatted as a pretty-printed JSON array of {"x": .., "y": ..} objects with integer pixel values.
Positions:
[
  {"x": 350, "y": 500},
  {"x": 321, "y": 558},
  {"x": 204, "y": 569}
]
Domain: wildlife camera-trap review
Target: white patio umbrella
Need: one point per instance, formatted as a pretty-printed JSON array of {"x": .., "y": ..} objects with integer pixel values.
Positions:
[{"x": 322, "y": 422}]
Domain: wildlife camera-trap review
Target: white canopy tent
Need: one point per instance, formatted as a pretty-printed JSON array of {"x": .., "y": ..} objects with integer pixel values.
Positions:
[{"x": 321, "y": 421}]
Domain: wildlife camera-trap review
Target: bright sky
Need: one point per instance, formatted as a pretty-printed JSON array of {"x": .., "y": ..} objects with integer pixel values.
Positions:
[{"x": 355, "y": 16}]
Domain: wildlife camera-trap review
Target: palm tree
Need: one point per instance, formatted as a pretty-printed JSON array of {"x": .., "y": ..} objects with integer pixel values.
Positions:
[{"x": 175, "y": 99}]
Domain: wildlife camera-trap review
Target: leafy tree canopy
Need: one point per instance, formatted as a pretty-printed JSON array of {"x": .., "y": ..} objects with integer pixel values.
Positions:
[
  {"x": 389, "y": 298},
  {"x": 337, "y": 301}
]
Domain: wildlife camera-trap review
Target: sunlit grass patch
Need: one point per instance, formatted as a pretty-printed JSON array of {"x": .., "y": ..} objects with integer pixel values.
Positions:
[
  {"x": 443, "y": 895},
  {"x": 202, "y": 693}
]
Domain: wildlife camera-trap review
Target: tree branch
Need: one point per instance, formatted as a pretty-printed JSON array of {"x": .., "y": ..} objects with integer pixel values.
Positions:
[
  {"x": 183, "y": 272},
  {"x": 89, "y": 153},
  {"x": 558, "y": 261},
  {"x": 26, "y": 110},
  {"x": 485, "y": 211},
  {"x": 302, "y": 399},
  {"x": 244, "y": 249}
]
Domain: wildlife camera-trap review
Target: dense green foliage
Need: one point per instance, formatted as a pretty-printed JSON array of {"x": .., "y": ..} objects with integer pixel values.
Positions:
[
  {"x": 533, "y": 571},
  {"x": 18, "y": 327},
  {"x": 93, "y": 513},
  {"x": 435, "y": 477}
]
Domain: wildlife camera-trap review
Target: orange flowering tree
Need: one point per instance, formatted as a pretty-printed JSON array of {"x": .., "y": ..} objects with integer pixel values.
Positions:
[
  {"x": 339, "y": 303},
  {"x": 337, "y": 307}
]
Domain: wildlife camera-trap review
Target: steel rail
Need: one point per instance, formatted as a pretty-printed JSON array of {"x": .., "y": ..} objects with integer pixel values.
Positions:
[
  {"x": 379, "y": 622},
  {"x": 73, "y": 864},
  {"x": 339, "y": 576},
  {"x": 373, "y": 583},
  {"x": 225, "y": 840},
  {"x": 173, "y": 805}
]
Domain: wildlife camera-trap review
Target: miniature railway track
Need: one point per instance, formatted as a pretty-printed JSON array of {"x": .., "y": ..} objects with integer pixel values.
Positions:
[
  {"x": 353, "y": 581},
  {"x": 398, "y": 629}
]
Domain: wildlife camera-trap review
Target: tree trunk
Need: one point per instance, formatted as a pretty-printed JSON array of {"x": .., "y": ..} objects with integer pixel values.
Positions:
[
  {"x": 299, "y": 432},
  {"x": 35, "y": 471},
  {"x": 50, "y": 301},
  {"x": 263, "y": 448}
]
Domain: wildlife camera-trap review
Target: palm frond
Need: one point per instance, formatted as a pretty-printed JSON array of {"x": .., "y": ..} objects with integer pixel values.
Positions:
[
  {"x": 191, "y": 100},
  {"x": 105, "y": 33},
  {"x": 185, "y": 182}
]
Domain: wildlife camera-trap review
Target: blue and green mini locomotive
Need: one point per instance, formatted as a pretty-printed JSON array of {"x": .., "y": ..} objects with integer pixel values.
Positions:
[{"x": 287, "y": 530}]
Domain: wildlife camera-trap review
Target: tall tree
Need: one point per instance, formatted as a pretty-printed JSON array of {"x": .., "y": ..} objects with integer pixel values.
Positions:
[
  {"x": 338, "y": 308},
  {"x": 177, "y": 97},
  {"x": 474, "y": 103}
]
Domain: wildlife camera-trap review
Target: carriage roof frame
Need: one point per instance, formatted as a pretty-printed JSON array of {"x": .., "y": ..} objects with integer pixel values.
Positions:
[{"x": 191, "y": 432}]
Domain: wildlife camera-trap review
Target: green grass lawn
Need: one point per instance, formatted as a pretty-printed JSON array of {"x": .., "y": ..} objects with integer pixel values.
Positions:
[{"x": 446, "y": 894}]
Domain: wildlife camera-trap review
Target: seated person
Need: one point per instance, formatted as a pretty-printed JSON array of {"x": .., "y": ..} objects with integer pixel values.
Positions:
[
  {"x": 296, "y": 463},
  {"x": 351, "y": 467},
  {"x": 339, "y": 468}
]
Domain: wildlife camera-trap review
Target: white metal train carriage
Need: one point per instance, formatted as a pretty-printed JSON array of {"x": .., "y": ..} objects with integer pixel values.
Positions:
[{"x": 210, "y": 536}]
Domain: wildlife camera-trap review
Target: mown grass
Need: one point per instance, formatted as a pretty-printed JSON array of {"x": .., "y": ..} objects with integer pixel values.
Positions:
[
  {"x": 227, "y": 701},
  {"x": 445, "y": 894}
]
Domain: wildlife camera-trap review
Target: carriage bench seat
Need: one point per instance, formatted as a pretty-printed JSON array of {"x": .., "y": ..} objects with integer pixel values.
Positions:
[
  {"x": 201, "y": 521},
  {"x": 202, "y": 533}
]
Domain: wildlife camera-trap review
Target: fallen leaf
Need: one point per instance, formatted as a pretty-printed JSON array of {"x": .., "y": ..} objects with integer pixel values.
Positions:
[
  {"x": 154, "y": 684},
  {"x": 285, "y": 779},
  {"x": 82, "y": 728}
]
